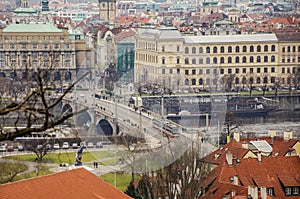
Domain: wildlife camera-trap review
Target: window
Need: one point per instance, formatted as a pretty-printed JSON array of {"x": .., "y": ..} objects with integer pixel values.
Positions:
[
  {"x": 24, "y": 46},
  {"x": 237, "y": 49},
  {"x": 251, "y": 49},
  {"x": 295, "y": 190},
  {"x": 200, "y": 50},
  {"x": 294, "y": 48},
  {"x": 200, "y": 61},
  {"x": 178, "y": 61},
  {"x": 163, "y": 71},
  {"x": 265, "y": 58},
  {"x": 222, "y": 49},
  {"x": 272, "y": 80},
  {"x": 251, "y": 59},
  {"x": 258, "y": 80},
  {"x": 270, "y": 191},
  {"x": 186, "y": 82},
  {"x": 273, "y": 48},
  {"x": 34, "y": 46},
  {"x": 200, "y": 81},
  {"x": 194, "y": 72},
  {"x": 283, "y": 49},
  {"x": 272, "y": 58},
  {"x": 258, "y": 70},
  {"x": 207, "y": 49},
  {"x": 237, "y": 60},
  {"x": 229, "y": 70},
  {"x": 237, "y": 70},
  {"x": 45, "y": 46},
  {"x": 1, "y": 46},
  {"x": 221, "y": 60},
  {"x": 244, "y": 70},
  {"x": 222, "y": 71},
  {"x": 283, "y": 70},
  {"x": 171, "y": 71},
  {"x": 215, "y": 49},
  {"x": 265, "y": 80},
  {"x": 207, "y": 71},
  {"x": 266, "y": 48},
  {"x": 258, "y": 49},
  {"x": 208, "y": 81},
  {"x": 194, "y": 50},
  {"x": 200, "y": 72},
  {"x": 186, "y": 72},
  {"x": 163, "y": 60},
  {"x": 244, "y": 59},
  {"x": 229, "y": 60},
  {"x": 288, "y": 191},
  {"x": 258, "y": 59},
  {"x": 215, "y": 60},
  {"x": 251, "y": 70},
  {"x": 207, "y": 60},
  {"x": 288, "y": 70},
  {"x": 12, "y": 46},
  {"x": 163, "y": 49},
  {"x": 283, "y": 59},
  {"x": 244, "y": 49},
  {"x": 178, "y": 48},
  {"x": 273, "y": 70},
  {"x": 186, "y": 60},
  {"x": 178, "y": 71},
  {"x": 193, "y": 81},
  {"x": 289, "y": 49},
  {"x": 265, "y": 70},
  {"x": 237, "y": 80},
  {"x": 186, "y": 50},
  {"x": 193, "y": 61},
  {"x": 229, "y": 49}
]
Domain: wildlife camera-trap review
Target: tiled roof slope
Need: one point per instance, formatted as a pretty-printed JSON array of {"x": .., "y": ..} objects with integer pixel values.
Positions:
[
  {"x": 76, "y": 184},
  {"x": 271, "y": 172}
]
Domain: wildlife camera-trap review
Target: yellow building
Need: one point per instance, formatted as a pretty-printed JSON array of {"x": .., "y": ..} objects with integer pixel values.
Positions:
[
  {"x": 27, "y": 47},
  {"x": 165, "y": 57}
]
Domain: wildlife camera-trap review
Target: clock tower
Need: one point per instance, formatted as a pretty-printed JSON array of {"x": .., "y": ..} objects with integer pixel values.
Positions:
[{"x": 107, "y": 10}]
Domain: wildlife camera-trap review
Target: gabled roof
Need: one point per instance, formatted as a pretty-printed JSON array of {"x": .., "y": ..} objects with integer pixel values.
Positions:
[{"x": 77, "y": 183}]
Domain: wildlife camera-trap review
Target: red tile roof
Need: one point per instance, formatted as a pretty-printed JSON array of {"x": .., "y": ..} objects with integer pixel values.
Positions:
[
  {"x": 76, "y": 184},
  {"x": 271, "y": 172}
]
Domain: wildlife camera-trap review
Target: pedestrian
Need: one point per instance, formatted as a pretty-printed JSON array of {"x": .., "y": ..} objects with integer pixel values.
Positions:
[{"x": 96, "y": 164}]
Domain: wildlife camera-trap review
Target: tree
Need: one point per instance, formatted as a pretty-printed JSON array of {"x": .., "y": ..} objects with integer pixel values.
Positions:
[
  {"x": 180, "y": 179},
  {"x": 9, "y": 171},
  {"x": 231, "y": 123},
  {"x": 33, "y": 110}
]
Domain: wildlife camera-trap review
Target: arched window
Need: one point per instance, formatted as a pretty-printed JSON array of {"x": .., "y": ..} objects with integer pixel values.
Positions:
[
  {"x": 272, "y": 58},
  {"x": 266, "y": 48},
  {"x": 163, "y": 60},
  {"x": 237, "y": 49},
  {"x": 258, "y": 80},
  {"x": 229, "y": 60},
  {"x": 68, "y": 76},
  {"x": 237, "y": 60},
  {"x": 200, "y": 50},
  {"x": 57, "y": 76},
  {"x": 273, "y": 48},
  {"x": 200, "y": 60},
  {"x": 244, "y": 80},
  {"x": 186, "y": 50},
  {"x": 237, "y": 80},
  {"x": 207, "y": 49},
  {"x": 229, "y": 49},
  {"x": 265, "y": 80},
  {"x": 193, "y": 61},
  {"x": 222, "y": 60},
  {"x": 258, "y": 49},
  {"x": 251, "y": 49},
  {"x": 265, "y": 58},
  {"x": 251, "y": 80},
  {"x": 251, "y": 59},
  {"x": 258, "y": 59},
  {"x": 207, "y": 60},
  {"x": 215, "y": 60},
  {"x": 186, "y": 82},
  {"x": 215, "y": 49},
  {"x": 272, "y": 80},
  {"x": 200, "y": 81},
  {"x": 222, "y": 49},
  {"x": 194, "y": 50},
  {"x": 193, "y": 81},
  {"x": 244, "y": 59},
  {"x": 186, "y": 60},
  {"x": 244, "y": 49}
]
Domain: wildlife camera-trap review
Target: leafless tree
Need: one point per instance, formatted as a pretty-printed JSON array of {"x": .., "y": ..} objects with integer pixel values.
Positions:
[
  {"x": 33, "y": 109},
  {"x": 9, "y": 171}
]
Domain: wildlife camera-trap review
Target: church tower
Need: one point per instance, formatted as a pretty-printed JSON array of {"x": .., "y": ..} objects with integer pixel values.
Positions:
[{"x": 107, "y": 10}]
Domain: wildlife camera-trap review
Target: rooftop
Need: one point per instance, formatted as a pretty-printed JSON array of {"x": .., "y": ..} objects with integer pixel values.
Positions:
[{"x": 23, "y": 28}]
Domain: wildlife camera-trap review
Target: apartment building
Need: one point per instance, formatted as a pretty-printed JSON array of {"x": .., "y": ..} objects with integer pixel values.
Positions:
[
  {"x": 27, "y": 47},
  {"x": 166, "y": 57}
]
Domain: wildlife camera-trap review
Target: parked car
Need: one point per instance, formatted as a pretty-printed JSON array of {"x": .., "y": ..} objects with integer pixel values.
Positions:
[
  {"x": 75, "y": 145},
  {"x": 10, "y": 148},
  {"x": 99, "y": 145},
  {"x": 48, "y": 146},
  {"x": 90, "y": 145},
  {"x": 65, "y": 145},
  {"x": 3, "y": 148},
  {"x": 20, "y": 147},
  {"x": 56, "y": 146}
]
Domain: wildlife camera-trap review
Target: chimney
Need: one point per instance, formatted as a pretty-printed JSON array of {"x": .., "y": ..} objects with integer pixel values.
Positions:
[
  {"x": 255, "y": 192},
  {"x": 244, "y": 145},
  {"x": 287, "y": 136},
  {"x": 236, "y": 136},
  {"x": 263, "y": 193},
  {"x": 235, "y": 180},
  {"x": 259, "y": 156},
  {"x": 229, "y": 158},
  {"x": 233, "y": 193}
]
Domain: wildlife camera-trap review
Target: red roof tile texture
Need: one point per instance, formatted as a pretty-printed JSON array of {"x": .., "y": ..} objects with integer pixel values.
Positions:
[{"x": 76, "y": 184}]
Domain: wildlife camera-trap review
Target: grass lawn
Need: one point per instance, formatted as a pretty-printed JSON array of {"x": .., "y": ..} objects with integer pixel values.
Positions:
[
  {"x": 65, "y": 157},
  {"x": 43, "y": 170},
  {"x": 122, "y": 180}
]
